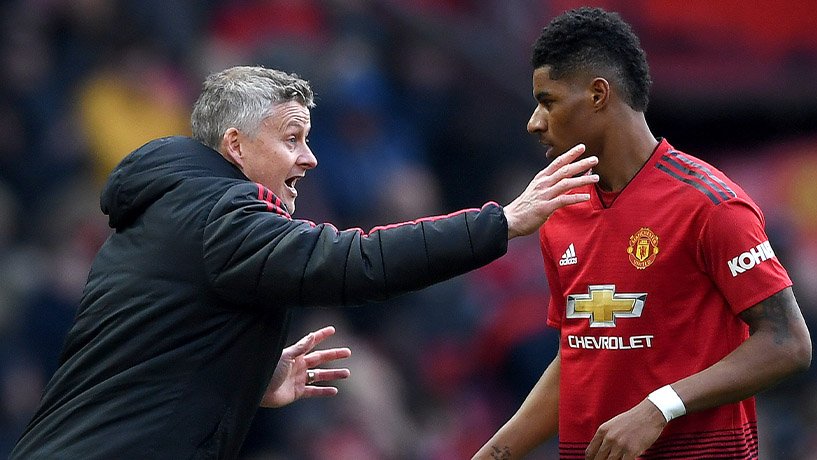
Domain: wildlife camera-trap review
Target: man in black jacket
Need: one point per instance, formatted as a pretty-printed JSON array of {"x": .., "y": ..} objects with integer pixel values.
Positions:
[{"x": 180, "y": 332}]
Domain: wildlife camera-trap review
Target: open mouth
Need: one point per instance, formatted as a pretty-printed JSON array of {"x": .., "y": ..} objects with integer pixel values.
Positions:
[
  {"x": 546, "y": 145},
  {"x": 290, "y": 184}
]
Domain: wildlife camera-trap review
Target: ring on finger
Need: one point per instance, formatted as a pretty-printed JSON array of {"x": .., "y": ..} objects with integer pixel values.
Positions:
[{"x": 310, "y": 377}]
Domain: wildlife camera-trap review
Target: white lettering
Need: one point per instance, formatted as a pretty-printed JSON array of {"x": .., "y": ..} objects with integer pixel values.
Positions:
[
  {"x": 746, "y": 261},
  {"x": 733, "y": 267},
  {"x": 749, "y": 259},
  {"x": 569, "y": 261},
  {"x": 757, "y": 254},
  {"x": 768, "y": 253},
  {"x": 609, "y": 343}
]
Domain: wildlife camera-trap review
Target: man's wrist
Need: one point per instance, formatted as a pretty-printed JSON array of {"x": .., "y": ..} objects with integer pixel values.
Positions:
[
  {"x": 511, "y": 221},
  {"x": 668, "y": 402}
]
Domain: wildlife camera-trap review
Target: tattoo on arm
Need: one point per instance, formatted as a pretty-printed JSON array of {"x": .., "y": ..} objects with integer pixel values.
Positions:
[
  {"x": 500, "y": 453},
  {"x": 774, "y": 313}
]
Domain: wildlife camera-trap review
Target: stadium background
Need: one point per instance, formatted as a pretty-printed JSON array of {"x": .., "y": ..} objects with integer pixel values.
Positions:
[{"x": 422, "y": 106}]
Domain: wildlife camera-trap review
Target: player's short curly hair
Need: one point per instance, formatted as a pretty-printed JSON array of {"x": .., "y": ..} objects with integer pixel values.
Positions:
[{"x": 598, "y": 41}]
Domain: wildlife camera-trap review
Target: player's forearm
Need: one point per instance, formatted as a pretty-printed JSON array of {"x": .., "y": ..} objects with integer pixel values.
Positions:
[
  {"x": 758, "y": 364},
  {"x": 535, "y": 422},
  {"x": 518, "y": 437},
  {"x": 778, "y": 347}
]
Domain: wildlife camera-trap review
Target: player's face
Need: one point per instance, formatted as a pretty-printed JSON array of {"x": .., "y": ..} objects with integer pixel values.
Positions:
[
  {"x": 278, "y": 156},
  {"x": 562, "y": 112}
]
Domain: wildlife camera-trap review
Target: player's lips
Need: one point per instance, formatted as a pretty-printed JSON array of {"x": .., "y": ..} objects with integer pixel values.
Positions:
[{"x": 548, "y": 149}]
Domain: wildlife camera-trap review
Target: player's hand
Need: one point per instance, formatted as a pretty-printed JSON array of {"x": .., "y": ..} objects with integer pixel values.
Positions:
[
  {"x": 547, "y": 192},
  {"x": 290, "y": 380},
  {"x": 627, "y": 435}
]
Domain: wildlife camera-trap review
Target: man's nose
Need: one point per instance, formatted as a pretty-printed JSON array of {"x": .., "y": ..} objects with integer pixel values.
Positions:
[
  {"x": 537, "y": 122},
  {"x": 308, "y": 159}
]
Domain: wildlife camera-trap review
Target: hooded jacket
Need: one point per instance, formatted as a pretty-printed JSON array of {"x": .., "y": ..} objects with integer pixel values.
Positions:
[{"x": 185, "y": 312}]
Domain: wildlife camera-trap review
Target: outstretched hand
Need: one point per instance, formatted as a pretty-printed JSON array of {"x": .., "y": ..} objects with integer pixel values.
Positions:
[
  {"x": 291, "y": 380},
  {"x": 547, "y": 192}
]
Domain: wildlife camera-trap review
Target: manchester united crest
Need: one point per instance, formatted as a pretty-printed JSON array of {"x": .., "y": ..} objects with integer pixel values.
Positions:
[{"x": 643, "y": 248}]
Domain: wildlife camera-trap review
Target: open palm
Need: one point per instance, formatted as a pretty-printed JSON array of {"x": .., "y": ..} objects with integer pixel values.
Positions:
[{"x": 289, "y": 381}]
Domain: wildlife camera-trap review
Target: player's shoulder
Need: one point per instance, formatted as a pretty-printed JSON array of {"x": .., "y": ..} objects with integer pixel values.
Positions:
[{"x": 695, "y": 179}]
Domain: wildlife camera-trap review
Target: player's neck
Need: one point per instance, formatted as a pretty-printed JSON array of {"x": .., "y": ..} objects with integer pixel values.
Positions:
[{"x": 624, "y": 153}]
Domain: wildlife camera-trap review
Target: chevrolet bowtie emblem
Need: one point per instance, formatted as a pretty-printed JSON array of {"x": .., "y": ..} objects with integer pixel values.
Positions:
[{"x": 602, "y": 305}]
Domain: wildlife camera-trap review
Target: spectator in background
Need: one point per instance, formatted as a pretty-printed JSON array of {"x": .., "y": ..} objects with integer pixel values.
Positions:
[
  {"x": 178, "y": 337},
  {"x": 369, "y": 145},
  {"x": 126, "y": 104},
  {"x": 672, "y": 308}
]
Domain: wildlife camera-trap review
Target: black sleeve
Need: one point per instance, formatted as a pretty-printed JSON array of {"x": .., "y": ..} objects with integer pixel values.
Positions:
[{"x": 258, "y": 257}]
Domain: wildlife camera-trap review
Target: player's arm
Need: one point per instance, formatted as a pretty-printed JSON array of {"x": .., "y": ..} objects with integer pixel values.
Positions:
[
  {"x": 535, "y": 422},
  {"x": 778, "y": 347}
]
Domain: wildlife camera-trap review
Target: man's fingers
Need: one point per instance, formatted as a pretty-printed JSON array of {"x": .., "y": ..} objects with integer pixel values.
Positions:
[
  {"x": 323, "y": 334},
  {"x": 567, "y": 200},
  {"x": 581, "y": 166},
  {"x": 308, "y": 342},
  {"x": 300, "y": 347},
  {"x": 571, "y": 170},
  {"x": 316, "y": 358},
  {"x": 319, "y": 392},
  {"x": 599, "y": 448},
  {"x": 324, "y": 375},
  {"x": 566, "y": 185},
  {"x": 592, "y": 448},
  {"x": 565, "y": 158}
]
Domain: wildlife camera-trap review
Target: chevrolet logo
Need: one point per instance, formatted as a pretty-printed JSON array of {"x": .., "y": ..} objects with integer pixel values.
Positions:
[{"x": 602, "y": 305}]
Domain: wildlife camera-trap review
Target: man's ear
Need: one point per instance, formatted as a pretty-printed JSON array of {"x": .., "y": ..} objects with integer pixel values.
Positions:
[
  {"x": 231, "y": 148},
  {"x": 600, "y": 92}
]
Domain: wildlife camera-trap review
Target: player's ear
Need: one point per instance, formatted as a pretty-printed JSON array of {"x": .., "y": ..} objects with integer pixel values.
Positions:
[
  {"x": 599, "y": 93},
  {"x": 231, "y": 147}
]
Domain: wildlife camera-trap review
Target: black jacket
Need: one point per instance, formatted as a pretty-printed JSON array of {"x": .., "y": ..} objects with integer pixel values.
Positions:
[{"x": 184, "y": 315}]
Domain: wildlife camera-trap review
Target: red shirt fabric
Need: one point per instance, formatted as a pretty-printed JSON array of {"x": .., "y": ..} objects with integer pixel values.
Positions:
[{"x": 647, "y": 290}]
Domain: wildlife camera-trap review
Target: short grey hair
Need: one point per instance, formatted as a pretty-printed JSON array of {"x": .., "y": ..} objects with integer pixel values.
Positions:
[{"x": 242, "y": 97}]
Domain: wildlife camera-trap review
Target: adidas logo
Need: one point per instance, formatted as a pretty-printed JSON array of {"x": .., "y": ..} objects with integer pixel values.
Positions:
[{"x": 569, "y": 257}]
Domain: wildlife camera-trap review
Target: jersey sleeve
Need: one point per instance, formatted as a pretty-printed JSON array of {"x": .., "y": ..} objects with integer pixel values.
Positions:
[
  {"x": 735, "y": 251},
  {"x": 255, "y": 255},
  {"x": 556, "y": 305}
]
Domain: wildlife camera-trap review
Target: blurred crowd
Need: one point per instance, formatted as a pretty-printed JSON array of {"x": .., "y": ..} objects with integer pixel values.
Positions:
[{"x": 421, "y": 110}]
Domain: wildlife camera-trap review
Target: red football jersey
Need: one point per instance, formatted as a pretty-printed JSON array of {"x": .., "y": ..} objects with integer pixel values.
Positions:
[{"x": 647, "y": 291}]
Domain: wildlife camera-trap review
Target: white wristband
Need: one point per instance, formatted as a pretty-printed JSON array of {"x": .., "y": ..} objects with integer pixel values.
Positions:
[{"x": 668, "y": 402}]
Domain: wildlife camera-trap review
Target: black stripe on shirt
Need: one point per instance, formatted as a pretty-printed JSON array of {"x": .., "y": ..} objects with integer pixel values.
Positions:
[
  {"x": 691, "y": 182},
  {"x": 693, "y": 173},
  {"x": 739, "y": 443},
  {"x": 703, "y": 168},
  {"x": 698, "y": 171}
]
